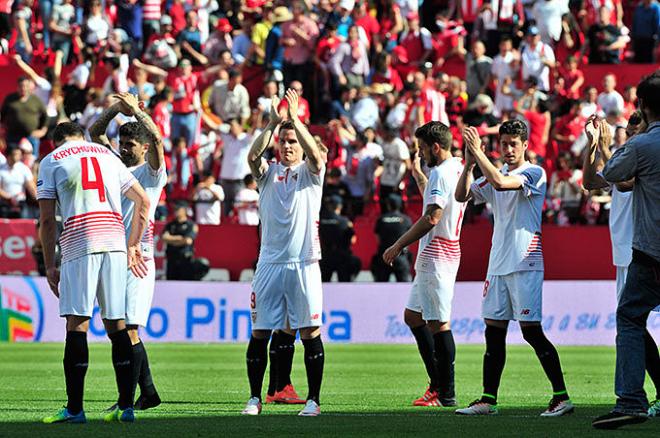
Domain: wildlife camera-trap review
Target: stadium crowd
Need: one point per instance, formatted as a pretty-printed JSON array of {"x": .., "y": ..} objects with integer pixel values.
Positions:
[{"x": 370, "y": 73}]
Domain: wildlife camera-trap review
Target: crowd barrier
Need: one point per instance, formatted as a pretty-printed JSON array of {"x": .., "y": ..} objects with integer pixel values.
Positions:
[
  {"x": 571, "y": 253},
  {"x": 575, "y": 313}
]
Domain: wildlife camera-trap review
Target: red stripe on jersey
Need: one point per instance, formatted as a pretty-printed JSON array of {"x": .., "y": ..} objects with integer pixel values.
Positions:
[
  {"x": 113, "y": 230},
  {"x": 82, "y": 224},
  {"x": 483, "y": 183},
  {"x": 93, "y": 214}
]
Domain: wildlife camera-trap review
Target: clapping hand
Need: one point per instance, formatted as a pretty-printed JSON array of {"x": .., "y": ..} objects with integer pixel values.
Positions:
[
  {"x": 592, "y": 129},
  {"x": 274, "y": 114},
  {"x": 129, "y": 103},
  {"x": 605, "y": 140},
  {"x": 472, "y": 141},
  {"x": 292, "y": 100}
]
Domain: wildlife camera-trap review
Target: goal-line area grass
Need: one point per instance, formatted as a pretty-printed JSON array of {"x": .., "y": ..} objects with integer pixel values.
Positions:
[{"x": 367, "y": 391}]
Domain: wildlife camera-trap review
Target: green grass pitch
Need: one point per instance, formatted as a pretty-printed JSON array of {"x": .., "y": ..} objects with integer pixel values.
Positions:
[{"x": 367, "y": 391}]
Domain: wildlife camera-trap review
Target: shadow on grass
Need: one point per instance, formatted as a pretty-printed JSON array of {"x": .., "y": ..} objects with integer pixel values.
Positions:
[{"x": 510, "y": 422}]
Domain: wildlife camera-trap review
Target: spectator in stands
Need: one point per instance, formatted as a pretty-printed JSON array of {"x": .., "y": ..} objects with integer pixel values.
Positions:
[
  {"x": 477, "y": 70},
  {"x": 610, "y": 100},
  {"x": 16, "y": 182},
  {"x": 247, "y": 202},
  {"x": 384, "y": 73},
  {"x": 190, "y": 40},
  {"x": 538, "y": 120},
  {"x": 343, "y": 106},
  {"x": 365, "y": 112},
  {"x": 274, "y": 53},
  {"x": 504, "y": 67},
  {"x": 63, "y": 27},
  {"x": 96, "y": 27},
  {"x": 645, "y": 30},
  {"x": 24, "y": 115},
  {"x": 548, "y": 17},
  {"x": 185, "y": 164},
  {"x": 361, "y": 164},
  {"x": 234, "y": 148},
  {"x": 537, "y": 58},
  {"x": 230, "y": 99},
  {"x": 129, "y": 19},
  {"x": 336, "y": 234},
  {"x": 207, "y": 198},
  {"x": 22, "y": 16},
  {"x": 151, "y": 15},
  {"x": 604, "y": 40},
  {"x": 573, "y": 79},
  {"x": 368, "y": 23},
  {"x": 395, "y": 163},
  {"x": 568, "y": 128},
  {"x": 159, "y": 49},
  {"x": 572, "y": 38},
  {"x": 391, "y": 225},
  {"x": 388, "y": 14},
  {"x": 299, "y": 40},
  {"x": 270, "y": 90},
  {"x": 350, "y": 64},
  {"x": 629, "y": 101},
  {"x": 590, "y": 105},
  {"x": 417, "y": 44},
  {"x": 565, "y": 189},
  {"x": 219, "y": 41}
]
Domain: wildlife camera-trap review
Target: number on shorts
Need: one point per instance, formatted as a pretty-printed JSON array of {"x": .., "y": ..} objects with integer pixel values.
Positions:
[
  {"x": 97, "y": 184},
  {"x": 253, "y": 300},
  {"x": 486, "y": 285}
]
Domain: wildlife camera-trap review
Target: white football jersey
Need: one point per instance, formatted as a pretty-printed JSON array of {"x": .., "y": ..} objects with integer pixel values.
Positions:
[
  {"x": 440, "y": 249},
  {"x": 289, "y": 206},
  {"x": 621, "y": 227},
  {"x": 516, "y": 244},
  {"x": 153, "y": 182},
  {"x": 88, "y": 182}
]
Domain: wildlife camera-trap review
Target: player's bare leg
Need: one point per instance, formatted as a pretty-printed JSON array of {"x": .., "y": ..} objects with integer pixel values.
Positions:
[
  {"x": 560, "y": 404},
  {"x": 314, "y": 361},
  {"x": 257, "y": 360},
  {"x": 494, "y": 360},
  {"x": 142, "y": 373},
  {"x": 76, "y": 358}
]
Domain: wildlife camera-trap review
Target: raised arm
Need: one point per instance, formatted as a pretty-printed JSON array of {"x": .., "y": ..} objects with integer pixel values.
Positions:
[
  {"x": 156, "y": 154},
  {"x": 593, "y": 161},
  {"x": 417, "y": 171},
  {"x": 98, "y": 128},
  {"x": 463, "y": 191},
  {"x": 151, "y": 69},
  {"x": 29, "y": 71},
  {"x": 257, "y": 164},
  {"x": 492, "y": 174},
  {"x": 306, "y": 140}
]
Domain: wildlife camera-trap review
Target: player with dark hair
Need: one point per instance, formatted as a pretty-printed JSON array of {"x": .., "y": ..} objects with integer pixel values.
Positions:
[
  {"x": 514, "y": 284},
  {"x": 86, "y": 181},
  {"x": 428, "y": 312},
  {"x": 141, "y": 151},
  {"x": 287, "y": 283}
]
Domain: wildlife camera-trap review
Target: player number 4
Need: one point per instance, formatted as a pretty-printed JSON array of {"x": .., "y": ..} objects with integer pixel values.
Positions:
[{"x": 97, "y": 184}]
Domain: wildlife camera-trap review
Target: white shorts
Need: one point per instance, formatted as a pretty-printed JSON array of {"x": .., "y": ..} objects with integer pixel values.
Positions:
[
  {"x": 101, "y": 276},
  {"x": 621, "y": 274},
  {"x": 286, "y": 292},
  {"x": 517, "y": 296},
  {"x": 431, "y": 295},
  {"x": 139, "y": 294}
]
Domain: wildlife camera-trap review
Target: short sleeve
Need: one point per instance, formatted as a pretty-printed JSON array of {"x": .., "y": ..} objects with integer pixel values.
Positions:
[
  {"x": 438, "y": 190},
  {"x": 219, "y": 192},
  {"x": 533, "y": 181},
  {"x": 46, "y": 188},
  {"x": 481, "y": 191}
]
